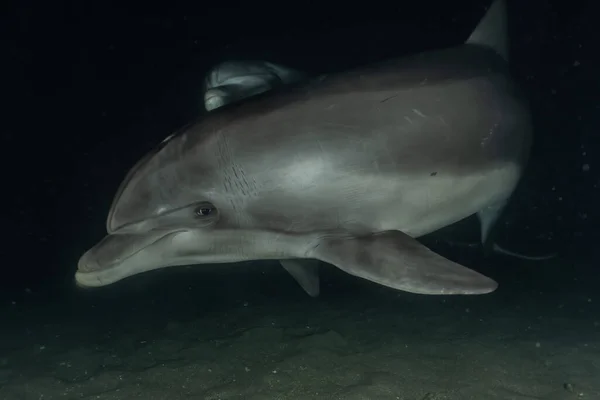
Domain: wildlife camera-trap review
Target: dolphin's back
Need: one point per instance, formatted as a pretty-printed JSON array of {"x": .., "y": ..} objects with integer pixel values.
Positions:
[{"x": 460, "y": 99}]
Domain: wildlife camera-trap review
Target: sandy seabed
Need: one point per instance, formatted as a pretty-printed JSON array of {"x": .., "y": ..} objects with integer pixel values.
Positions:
[{"x": 248, "y": 332}]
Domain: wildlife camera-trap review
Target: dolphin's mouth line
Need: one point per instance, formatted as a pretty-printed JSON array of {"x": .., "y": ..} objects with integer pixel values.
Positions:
[
  {"x": 95, "y": 274},
  {"x": 119, "y": 260}
]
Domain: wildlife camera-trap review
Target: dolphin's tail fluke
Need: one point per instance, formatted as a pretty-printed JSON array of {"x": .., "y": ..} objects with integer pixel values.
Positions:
[{"x": 496, "y": 248}]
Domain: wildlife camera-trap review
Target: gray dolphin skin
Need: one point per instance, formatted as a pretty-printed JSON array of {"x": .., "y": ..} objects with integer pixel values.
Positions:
[{"x": 349, "y": 169}]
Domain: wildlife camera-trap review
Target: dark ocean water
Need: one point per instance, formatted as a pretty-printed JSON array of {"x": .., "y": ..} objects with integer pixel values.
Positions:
[{"x": 91, "y": 87}]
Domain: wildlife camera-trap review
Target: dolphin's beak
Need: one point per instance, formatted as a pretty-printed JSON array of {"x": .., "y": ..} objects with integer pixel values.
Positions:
[{"x": 118, "y": 256}]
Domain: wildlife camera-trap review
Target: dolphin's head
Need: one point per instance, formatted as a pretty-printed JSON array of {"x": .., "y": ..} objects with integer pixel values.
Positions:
[
  {"x": 176, "y": 207},
  {"x": 159, "y": 194},
  {"x": 159, "y": 217}
]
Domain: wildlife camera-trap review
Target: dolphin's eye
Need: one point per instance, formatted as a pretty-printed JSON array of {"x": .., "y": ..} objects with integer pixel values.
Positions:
[{"x": 204, "y": 209}]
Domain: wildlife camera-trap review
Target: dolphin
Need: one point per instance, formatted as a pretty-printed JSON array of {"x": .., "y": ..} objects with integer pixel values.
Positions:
[
  {"x": 231, "y": 81},
  {"x": 348, "y": 169}
]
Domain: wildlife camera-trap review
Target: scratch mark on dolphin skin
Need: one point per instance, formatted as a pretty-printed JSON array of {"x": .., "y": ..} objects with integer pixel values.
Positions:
[
  {"x": 419, "y": 113},
  {"x": 235, "y": 181},
  {"x": 389, "y": 98},
  {"x": 338, "y": 125},
  {"x": 322, "y": 149},
  {"x": 376, "y": 165},
  {"x": 246, "y": 187}
]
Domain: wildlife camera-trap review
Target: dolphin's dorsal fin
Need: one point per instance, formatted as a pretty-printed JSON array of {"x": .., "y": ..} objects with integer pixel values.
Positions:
[{"x": 492, "y": 30}]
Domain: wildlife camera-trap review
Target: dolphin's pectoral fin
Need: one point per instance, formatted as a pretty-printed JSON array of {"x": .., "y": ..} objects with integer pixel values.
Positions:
[
  {"x": 305, "y": 272},
  {"x": 396, "y": 260},
  {"x": 496, "y": 248}
]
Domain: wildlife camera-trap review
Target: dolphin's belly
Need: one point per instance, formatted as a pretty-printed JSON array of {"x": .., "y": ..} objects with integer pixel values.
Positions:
[
  {"x": 416, "y": 204},
  {"x": 429, "y": 203}
]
